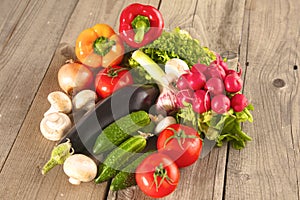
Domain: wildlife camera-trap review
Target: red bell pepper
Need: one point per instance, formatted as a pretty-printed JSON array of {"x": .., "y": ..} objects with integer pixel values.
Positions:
[{"x": 140, "y": 24}]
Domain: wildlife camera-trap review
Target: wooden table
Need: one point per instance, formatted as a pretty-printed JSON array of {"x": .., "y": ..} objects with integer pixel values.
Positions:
[{"x": 38, "y": 36}]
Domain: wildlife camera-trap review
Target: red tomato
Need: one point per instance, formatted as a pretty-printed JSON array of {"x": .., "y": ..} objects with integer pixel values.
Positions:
[
  {"x": 157, "y": 176},
  {"x": 182, "y": 143},
  {"x": 110, "y": 79}
]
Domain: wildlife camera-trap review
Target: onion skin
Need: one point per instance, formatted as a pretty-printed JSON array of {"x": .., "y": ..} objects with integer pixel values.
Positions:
[{"x": 74, "y": 77}]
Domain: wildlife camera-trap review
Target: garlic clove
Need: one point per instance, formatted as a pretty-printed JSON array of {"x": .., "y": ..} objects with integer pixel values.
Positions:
[{"x": 175, "y": 67}]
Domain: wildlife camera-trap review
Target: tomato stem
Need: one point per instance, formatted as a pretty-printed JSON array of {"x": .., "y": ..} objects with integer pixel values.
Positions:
[
  {"x": 180, "y": 136},
  {"x": 160, "y": 171}
]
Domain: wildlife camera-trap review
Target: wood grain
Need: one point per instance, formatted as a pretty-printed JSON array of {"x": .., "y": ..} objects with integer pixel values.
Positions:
[
  {"x": 204, "y": 179},
  {"x": 22, "y": 169},
  {"x": 24, "y": 61},
  {"x": 11, "y": 12},
  {"x": 26, "y": 162},
  {"x": 269, "y": 167}
]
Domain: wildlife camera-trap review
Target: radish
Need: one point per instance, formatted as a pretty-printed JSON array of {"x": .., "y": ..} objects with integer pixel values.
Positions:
[
  {"x": 220, "y": 65},
  {"x": 233, "y": 83},
  {"x": 201, "y": 103},
  {"x": 198, "y": 67},
  {"x": 215, "y": 86},
  {"x": 220, "y": 103},
  {"x": 186, "y": 95},
  {"x": 232, "y": 71},
  {"x": 214, "y": 71},
  {"x": 239, "y": 102},
  {"x": 182, "y": 83},
  {"x": 191, "y": 80}
]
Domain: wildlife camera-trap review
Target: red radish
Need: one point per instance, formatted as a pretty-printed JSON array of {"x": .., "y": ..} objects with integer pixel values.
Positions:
[
  {"x": 182, "y": 83},
  {"x": 220, "y": 103},
  {"x": 219, "y": 61},
  {"x": 233, "y": 83},
  {"x": 186, "y": 95},
  {"x": 191, "y": 80},
  {"x": 215, "y": 86},
  {"x": 232, "y": 71},
  {"x": 198, "y": 67},
  {"x": 201, "y": 103},
  {"x": 214, "y": 71},
  {"x": 220, "y": 65},
  {"x": 239, "y": 102}
]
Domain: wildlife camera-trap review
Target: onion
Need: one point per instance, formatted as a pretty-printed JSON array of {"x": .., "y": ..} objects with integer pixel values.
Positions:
[{"x": 74, "y": 77}]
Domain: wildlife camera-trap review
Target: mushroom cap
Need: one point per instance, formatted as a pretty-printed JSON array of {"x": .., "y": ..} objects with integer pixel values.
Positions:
[
  {"x": 54, "y": 126},
  {"x": 60, "y": 102},
  {"x": 85, "y": 99},
  {"x": 80, "y": 168}
]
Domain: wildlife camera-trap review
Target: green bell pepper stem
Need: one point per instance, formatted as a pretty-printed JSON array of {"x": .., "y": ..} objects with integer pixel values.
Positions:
[
  {"x": 103, "y": 45},
  {"x": 141, "y": 25}
]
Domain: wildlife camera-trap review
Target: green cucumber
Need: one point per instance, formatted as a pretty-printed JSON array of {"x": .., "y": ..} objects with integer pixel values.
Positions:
[
  {"x": 116, "y": 159},
  {"x": 120, "y": 130},
  {"x": 126, "y": 177}
]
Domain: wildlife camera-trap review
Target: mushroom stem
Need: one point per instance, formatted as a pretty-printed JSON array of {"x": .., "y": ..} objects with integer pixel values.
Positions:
[
  {"x": 58, "y": 156},
  {"x": 74, "y": 181}
]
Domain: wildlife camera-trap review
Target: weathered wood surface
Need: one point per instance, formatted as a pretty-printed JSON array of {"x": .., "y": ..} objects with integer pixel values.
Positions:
[
  {"x": 28, "y": 50},
  {"x": 37, "y": 37},
  {"x": 269, "y": 167}
]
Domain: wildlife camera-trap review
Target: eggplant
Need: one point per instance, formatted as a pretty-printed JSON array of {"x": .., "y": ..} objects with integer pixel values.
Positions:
[{"x": 121, "y": 103}]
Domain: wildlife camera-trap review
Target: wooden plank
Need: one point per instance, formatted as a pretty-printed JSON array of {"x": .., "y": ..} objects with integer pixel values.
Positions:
[
  {"x": 269, "y": 167},
  {"x": 204, "y": 179},
  {"x": 24, "y": 61},
  {"x": 11, "y": 12},
  {"x": 31, "y": 150},
  {"x": 21, "y": 175}
]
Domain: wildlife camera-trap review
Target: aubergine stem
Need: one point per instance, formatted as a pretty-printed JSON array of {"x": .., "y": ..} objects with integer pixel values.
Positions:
[{"x": 58, "y": 156}]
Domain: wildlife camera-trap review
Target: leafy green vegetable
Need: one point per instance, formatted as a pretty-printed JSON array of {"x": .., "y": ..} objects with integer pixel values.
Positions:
[
  {"x": 175, "y": 44},
  {"x": 225, "y": 127}
]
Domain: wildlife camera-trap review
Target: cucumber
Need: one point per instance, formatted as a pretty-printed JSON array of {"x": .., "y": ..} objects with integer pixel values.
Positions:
[
  {"x": 116, "y": 159},
  {"x": 128, "y": 99},
  {"x": 120, "y": 130},
  {"x": 126, "y": 177}
]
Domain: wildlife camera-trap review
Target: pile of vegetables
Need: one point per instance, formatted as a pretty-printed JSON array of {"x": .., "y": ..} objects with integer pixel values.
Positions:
[{"x": 143, "y": 101}]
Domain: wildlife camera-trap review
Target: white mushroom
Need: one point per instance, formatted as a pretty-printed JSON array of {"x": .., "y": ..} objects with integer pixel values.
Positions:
[
  {"x": 55, "y": 125},
  {"x": 60, "y": 102},
  {"x": 80, "y": 168},
  {"x": 84, "y": 100}
]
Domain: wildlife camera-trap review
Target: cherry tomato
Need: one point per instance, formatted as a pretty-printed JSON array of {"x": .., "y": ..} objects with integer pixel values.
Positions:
[
  {"x": 157, "y": 176},
  {"x": 110, "y": 79},
  {"x": 182, "y": 143}
]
